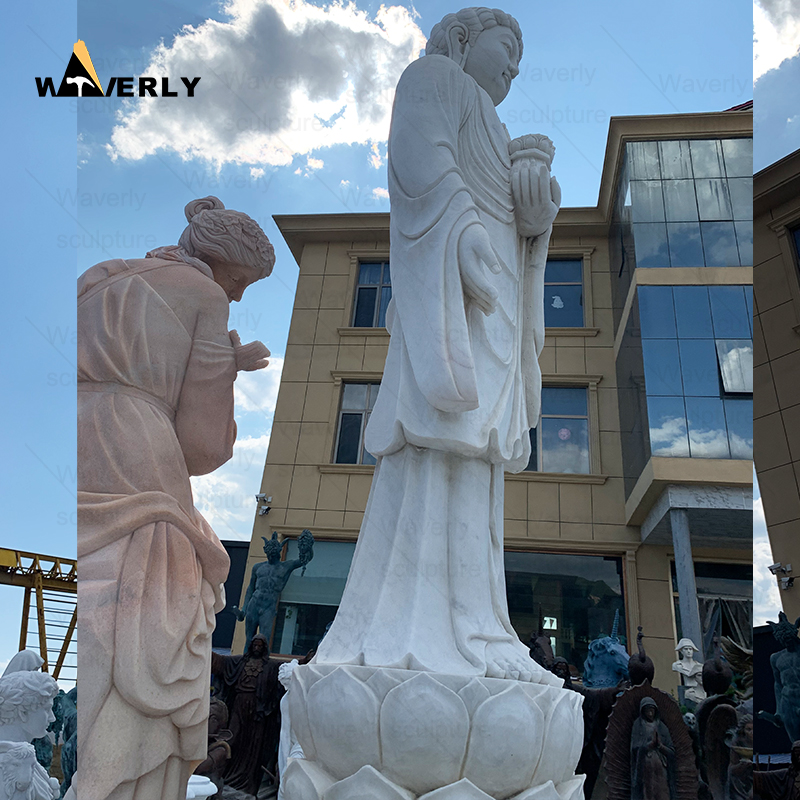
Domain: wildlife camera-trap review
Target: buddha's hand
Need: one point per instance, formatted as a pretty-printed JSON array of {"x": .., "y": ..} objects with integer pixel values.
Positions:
[
  {"x": 537, "y": 196},
  {"x": 476, "y": 259},
  {"x": 249, "y": 357}
]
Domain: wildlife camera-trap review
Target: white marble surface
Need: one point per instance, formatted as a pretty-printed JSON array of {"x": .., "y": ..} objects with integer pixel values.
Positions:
[{"x": 690, "y": 670}]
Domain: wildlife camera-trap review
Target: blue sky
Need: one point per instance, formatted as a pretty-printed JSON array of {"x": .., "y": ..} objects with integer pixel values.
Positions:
[{"x": 291, "y": 116}]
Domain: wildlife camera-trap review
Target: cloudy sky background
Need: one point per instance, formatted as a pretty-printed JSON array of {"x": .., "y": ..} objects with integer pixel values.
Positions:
[{"x": 291, "y": 116}]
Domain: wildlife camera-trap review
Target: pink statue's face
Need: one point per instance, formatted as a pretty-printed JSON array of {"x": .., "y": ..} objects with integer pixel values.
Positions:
[
  {"x": 493, "y": 61},
  {"x": 233, "y": 278}
]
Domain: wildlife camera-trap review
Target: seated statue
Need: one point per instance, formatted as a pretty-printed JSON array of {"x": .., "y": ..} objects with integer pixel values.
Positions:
[{"x": 26, "y": 710}]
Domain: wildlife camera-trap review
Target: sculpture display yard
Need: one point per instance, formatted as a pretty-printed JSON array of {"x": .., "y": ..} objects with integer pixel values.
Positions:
[
  {"x": 156, "y": 368},
  {"x": 422, "y": 688}
]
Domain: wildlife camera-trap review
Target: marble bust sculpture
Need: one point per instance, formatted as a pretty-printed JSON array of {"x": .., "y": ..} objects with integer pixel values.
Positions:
[
  {"x": 26, "y": 710},
  {"x": 156, "y": 367},
  {"x": 689, "y": 669},
  {"x": 471, "y": 217}
]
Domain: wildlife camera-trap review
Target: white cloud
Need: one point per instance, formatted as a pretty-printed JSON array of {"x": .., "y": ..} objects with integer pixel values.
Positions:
[
  {"x": 380, "y": 193},
  {"x": 278, "y": 79},
  {"x": 376, "y": 158},
  {"x": 776, "y": 34},
  {"x": 256, "y": 173},
  {"x": 766, "y": 595},
  {"x": 258, "y": 391}
]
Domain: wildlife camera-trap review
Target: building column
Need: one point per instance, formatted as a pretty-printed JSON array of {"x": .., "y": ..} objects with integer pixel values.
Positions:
[{"x": 684, "y": 570}]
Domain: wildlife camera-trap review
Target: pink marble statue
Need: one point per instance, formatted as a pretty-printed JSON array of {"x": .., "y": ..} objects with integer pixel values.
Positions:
[{"x": 156, "y": 367}]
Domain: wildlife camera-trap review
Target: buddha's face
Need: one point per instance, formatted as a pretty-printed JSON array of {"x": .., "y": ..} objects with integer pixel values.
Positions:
[{"x": 493, "y": 61}]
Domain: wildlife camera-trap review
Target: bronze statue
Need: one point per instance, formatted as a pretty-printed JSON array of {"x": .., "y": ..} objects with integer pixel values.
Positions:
[
  {"x": 780, "y": 784},
  {"x": 267, "y": 581},
  {"x": 541, "y": 650},
  {"x": 640, "y": 665},
  {"x": 219, "y": 749},
  {"x": 648, "y": 753},
  {"x": 252, "y": 694},
  {"x": 717, "y": 675},
  {"x": 786, "y": 674}
]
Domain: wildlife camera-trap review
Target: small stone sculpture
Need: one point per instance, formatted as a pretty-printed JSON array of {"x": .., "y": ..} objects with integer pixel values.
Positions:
[
  {"x": 649, "y": 753},
  {"x": 156, "y": 369},
  {"x": 690, "y": 670},
  {"x": 640, "y": 666},
  {"x": 786, "y": 674},
  {"x": 26, "y": 710},
  {"x": 28, "y": 660},
  {"x": 267, "y": 580},
  {"x": 219, "y": 751},
  {"x": 252, "y": 693},
  {"x": 780, "y": 784},
  {"x": 607, "y": 662}
]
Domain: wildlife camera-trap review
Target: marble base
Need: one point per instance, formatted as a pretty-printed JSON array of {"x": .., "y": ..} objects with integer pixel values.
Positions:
[{"x": 391, "y": 734}]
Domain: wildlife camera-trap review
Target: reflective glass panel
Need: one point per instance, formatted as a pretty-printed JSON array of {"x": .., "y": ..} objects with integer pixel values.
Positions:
[
  {"x": 647, "y": 201},
  {"x": 707, "y": 158},
  {"x": 741, "y": 193},
  {"x": 355, "y": 396},
  {"x": 739, "y": 415},
  {"x": 563, "y": 271},
  {"x": 738, "y": 157},
  {"x": 729, "y": 312},
  {"x": 699, "y": 367},
  {"x": 693, "y": 312},
  {"x": 565, "y": 445},
  {"x": 708, "y": 435},
  {"x": 713, "y": 199},
  {"x": 563, "y": 306},
  {"x": 369, "y": 273},
  {"x": 748, "y": 299},
  {"x": 685, "y": 245},
  {"x": 675, "y": 159},
  {"x": 744, "y": 237},
  {"x": 719, "y": 244},
  {"x": 533, "y": 461},
  {"x": 386, "y": 296},
  {"x": 650, "y": 242},
  {"x": 662, "y": 371},
  {"x": 656, "y": 312},
  {"x": 374, "y": 388},
  {"x": 349, "y": 439},
  {"x": 668, "y": 435},
  {"x": 564, "y": 401},
  {"x": 736, "y": 365},
  {"x": 364, "y": 316},
  {"x": 680, "y": 201},
  {"x": 643, "y": 160},
  {"x": 577, "y": 595}
]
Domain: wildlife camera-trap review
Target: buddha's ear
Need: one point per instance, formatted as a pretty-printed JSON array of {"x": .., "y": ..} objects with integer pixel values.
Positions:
[{"x": 458, "y": 43}]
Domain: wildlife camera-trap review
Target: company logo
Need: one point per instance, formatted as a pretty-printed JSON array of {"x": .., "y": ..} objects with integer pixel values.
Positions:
[{"x": 80, "y": 80}]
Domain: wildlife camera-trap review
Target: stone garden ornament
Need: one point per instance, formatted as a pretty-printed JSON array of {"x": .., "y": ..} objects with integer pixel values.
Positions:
[
  {"x": 156, "y": 368},
  {"x": 26, "y": 711},
  {"x": 690, "y": 670},
  {"x": 422, "y": 688}
]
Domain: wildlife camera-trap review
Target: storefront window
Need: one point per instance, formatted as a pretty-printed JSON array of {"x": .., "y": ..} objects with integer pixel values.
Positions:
[
  {"x": 576, "y": 595},
  {"x": 309, "y": 602}
]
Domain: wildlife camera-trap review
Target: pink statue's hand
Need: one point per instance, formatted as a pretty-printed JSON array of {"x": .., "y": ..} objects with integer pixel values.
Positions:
[
  {"x": 537, "y": 196},
  {"x": 249, "y": 357},
  {"x": 475, "y": 257}
]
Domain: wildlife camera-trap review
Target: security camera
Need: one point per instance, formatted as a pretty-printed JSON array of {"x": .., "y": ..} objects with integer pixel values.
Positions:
[
  {"x": 264, "y": 510},
  {"x": 775, "y": 568},
  {"x": 787, "y": 583},
  {"x": 261, "y": 498}
]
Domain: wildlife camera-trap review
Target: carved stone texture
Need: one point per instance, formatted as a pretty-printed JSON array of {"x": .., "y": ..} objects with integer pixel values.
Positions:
[
  {"x": 627, "y": 710},
  {"x": 427, "y": 731},
  {"x": 156, "y": 368}
]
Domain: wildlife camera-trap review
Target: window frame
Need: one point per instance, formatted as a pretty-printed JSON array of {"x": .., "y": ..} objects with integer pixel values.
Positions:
[
  {"x": 583, "y": 254},
  {"x": 369, "y": 381},
  {"x": 383, "y": 260}
]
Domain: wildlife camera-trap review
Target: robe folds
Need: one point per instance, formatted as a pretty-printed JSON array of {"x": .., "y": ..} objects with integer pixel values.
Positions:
[
  {"x": 151, "y": 568},
  {"x": 459, "y": 394}
]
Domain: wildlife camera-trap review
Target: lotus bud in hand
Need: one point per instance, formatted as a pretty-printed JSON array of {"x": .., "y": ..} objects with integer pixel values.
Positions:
[{"x": 537, "y": 196}]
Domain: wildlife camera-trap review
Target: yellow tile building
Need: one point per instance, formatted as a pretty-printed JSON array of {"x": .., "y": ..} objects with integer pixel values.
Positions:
[
  {"x": 776, "y": 370},
  {"x": 609, "y": 511}
]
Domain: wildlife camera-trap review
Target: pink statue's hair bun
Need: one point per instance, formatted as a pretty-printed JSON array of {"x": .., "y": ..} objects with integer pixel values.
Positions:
[{"x": 194, "y": 207}]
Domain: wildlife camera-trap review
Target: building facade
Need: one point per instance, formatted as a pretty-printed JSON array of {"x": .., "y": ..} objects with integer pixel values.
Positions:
[
  {"x": 776, "y": 211},
  {"x": 638, "y": 495}
]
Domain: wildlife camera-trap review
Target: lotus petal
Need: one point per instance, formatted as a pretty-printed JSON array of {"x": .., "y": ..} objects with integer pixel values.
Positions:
[
  {"x": 505, "y": 743},
  {"x": 473, "y": 694},
  {"x": 367, "y": 784},
  {"x": 463, "y": 790},
  {"x": 343, "y": 715},
  {"x": 304, "y": 780},
  {"x": 546, "y": 791},
  {"x": 424, "y": 728},
  {"x": 563, "y": 742},
  {"x": 572, "y": 789},
  {"x": 298, "y": 713},
  {"x": 381, "y": 683}
]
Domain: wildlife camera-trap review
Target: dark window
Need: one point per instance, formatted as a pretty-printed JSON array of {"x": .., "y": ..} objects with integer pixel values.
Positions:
[
  {"x": 373, "y": 293},
  {"x": 560, "y": 443},
  {"x": 563, "y": 294},
  {"x": 358, "y": 400}
]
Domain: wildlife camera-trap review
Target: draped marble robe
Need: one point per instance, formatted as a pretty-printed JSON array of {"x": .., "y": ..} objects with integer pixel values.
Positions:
[
  {"x": 155, "y": 405},
  {"x": 459, "y": 394}
]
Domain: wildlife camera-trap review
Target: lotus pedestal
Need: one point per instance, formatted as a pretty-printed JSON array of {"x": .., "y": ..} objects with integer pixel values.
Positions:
[{"x": 388, "y": 734}]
